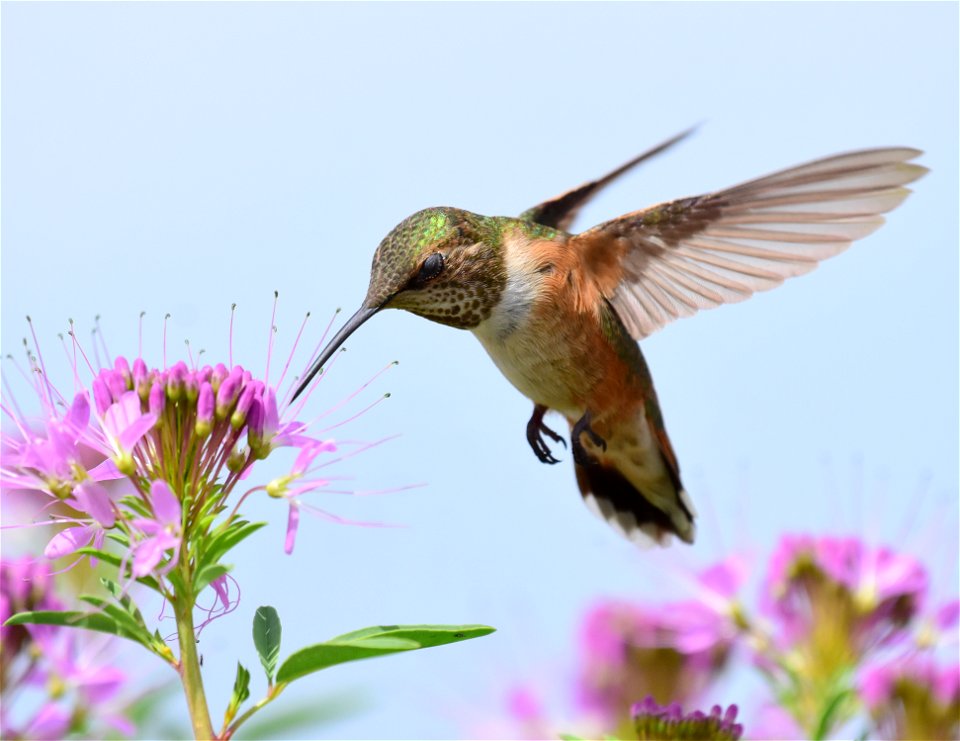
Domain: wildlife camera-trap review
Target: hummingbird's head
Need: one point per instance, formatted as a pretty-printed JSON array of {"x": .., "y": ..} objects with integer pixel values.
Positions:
[
  {"x": 440, "y": 263},
  {"x": 443, "y": 264}
]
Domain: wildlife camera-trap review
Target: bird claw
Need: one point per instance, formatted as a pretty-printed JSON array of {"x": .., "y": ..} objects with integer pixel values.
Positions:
[
  {"x": 536, "y": 429},
  {"x": 580, "y": 454}
]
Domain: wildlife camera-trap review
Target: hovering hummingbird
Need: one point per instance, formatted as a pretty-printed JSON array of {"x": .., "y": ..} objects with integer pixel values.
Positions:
[{"x": 560, "y": 313}]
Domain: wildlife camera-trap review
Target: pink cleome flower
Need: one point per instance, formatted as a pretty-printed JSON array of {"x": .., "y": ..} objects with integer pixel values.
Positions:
[{"x": 183, "y": 437}]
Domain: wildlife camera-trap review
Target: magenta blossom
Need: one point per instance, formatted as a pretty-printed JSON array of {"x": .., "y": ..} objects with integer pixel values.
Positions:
[
  {"x": 203, "y": 427},
  {"x": 913, "y": 697},
  {"x": 160, "y": 534},
  {"x": 841, "y": 598}
]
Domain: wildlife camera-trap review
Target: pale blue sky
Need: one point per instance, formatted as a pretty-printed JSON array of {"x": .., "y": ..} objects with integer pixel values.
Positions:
[{"x": 181, "y": 157}]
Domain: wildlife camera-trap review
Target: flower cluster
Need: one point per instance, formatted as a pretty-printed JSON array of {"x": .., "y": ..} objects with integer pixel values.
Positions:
[
  {"x": 137, "y": 469},
  {"x": 843, "y": 636},
  {"x": 670, "y": 652},
  {"x": 180, "y": 438},
  {"x": 60, "y": 682},
  {"x": 913, "y": 697}
]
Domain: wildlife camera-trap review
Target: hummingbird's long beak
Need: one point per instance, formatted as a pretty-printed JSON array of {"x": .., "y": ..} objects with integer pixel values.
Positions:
[{"x": 346, "y": 330}]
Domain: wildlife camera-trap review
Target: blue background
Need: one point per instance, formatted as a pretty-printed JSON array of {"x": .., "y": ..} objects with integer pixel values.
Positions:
[{"x": 181, "y": 157}]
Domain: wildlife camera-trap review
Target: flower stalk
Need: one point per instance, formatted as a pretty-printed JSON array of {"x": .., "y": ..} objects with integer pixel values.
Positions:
[{"x": 189, "y": 667}]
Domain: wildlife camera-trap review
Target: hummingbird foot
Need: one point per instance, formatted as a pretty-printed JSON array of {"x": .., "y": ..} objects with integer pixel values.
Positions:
[
  {"x": 535, "y": 432},
  {"x": 580, "y": 455}
]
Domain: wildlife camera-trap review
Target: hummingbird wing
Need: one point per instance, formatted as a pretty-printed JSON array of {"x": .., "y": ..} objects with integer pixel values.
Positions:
[
  {"x": 559, "y": 212},
  {"x": 672, "y": 260}
]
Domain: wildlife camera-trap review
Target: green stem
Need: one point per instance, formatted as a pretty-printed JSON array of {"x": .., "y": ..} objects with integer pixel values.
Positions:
[
  {"x": 190, "y": 670},
  {"x": 272, "y": 693}
]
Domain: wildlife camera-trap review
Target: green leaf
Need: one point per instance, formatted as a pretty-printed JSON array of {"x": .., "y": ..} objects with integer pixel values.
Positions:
[
  {"x": 371, "y": 642},
  {"x": 99, "y": 621},
  {"x": 241, "y": 685},
  {"x": 124, "y": 620},
  {"x": 207, "y": 574},
  {"x": 241, "y": 692},
  {"x": 221, "y": 542},
  {"x": 266, "y": 637}
]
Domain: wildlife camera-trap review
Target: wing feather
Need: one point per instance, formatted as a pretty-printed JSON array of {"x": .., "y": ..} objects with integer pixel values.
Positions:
[{"x": 696, "y": 253}]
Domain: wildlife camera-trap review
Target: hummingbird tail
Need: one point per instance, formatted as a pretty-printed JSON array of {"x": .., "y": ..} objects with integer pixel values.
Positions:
[{"x": 609, "y": 494}]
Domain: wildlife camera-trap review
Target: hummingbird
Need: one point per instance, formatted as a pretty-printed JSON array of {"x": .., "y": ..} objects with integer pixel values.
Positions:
[{"x": 560, "y": 313}]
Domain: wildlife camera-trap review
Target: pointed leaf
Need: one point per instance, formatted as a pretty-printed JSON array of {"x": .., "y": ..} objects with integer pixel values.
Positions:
[
  {"x": 207, "y": 574},
  {"x": 425, "y": 635},
  {"x": 223, "y": 541},
  {"x": 266, "y": 637},
  {"x": 241, "y": 691},
  {"x": 98, "y": 621},
  {"x": 371, "y": 642},
  {"x": 124, "y": 620}
]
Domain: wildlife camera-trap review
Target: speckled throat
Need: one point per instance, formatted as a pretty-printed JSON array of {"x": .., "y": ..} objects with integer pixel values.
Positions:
[{"x": 474, "y": 275}]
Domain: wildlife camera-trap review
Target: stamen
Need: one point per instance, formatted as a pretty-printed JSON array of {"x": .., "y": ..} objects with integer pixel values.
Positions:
[
  {"x": 103, "y": 340},
  {"x": 320, "y": 345},
  {"x": 40, "y": 356},
  {"x": 193, "y": 365},
  {"x": 77, "y": 344},
  {"x": 273, "y": 332},
  {"x": 293, "y": 349},
  {"x": 233, "y": 310},
  {"x": 140, "y": 335},
  {"x": 355, "y": 416},
  {"x": 165, "y": 318},
  {"x": 352, "y": 396},
  {"x": 96, "y": 352}
]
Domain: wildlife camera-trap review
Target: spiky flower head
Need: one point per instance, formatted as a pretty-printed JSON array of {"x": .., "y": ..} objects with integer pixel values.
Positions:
[
  {"x": 654, "y": 722},
  {"x": 182, "y": 437},
  {"x": 836, "y": 599}
]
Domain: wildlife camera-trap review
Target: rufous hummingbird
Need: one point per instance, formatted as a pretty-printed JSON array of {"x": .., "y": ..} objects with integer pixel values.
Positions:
[{"x": 560, "y": 313}]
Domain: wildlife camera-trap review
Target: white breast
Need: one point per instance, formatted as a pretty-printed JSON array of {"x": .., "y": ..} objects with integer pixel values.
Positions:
[{"x": 514, "y": 344}]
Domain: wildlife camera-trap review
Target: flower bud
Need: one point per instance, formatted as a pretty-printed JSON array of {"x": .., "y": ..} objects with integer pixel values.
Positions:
[
  {"x": 101, "y": 395},
  {"x": 217, "y": 376},
  {"x": 141, "y": 379},
  {"x": 176, "y": 382},
  {"x": 205, "y": 409},
  {"x": 192, "y": 388},
  {"x": 237, "y": 460},
  {"x": 255, "y": 429},
  {"x": 158, "y": 400},
  {"x": 249, "y": 393},
  {"x": 122, "y": 369},
  {"x": 227, "y": 395}
]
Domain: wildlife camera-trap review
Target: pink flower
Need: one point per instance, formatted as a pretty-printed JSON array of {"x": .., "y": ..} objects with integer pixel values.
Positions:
[
  {"x": 163, "y": 532},
  {"x": 630, "y": 651},
  {"x": 125, "y": 424},
  {"x": 913, "y": 697},
  {"x": 813, "y": 583}
]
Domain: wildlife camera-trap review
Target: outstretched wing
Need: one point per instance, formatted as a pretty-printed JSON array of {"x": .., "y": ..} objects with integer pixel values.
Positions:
[
  {"x": 674, "y": 259},
  {"x": 560, "y": 212}
]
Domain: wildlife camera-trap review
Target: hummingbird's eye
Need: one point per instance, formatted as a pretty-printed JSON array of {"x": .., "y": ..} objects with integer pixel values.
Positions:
[{"x": 431, "y": 268}]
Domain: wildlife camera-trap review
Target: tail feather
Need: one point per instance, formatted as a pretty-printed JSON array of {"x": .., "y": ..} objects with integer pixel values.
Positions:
[{"x": 610, "y": 495}]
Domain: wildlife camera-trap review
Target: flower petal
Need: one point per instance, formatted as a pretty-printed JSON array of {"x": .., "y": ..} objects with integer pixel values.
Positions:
[
  {"x": 293, "y": 519},
  {"x": 166, "y": 506},
  {"x": 69, "y": 540},
  {"x": 93, "y": 499}
]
